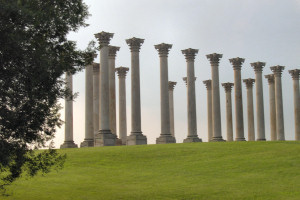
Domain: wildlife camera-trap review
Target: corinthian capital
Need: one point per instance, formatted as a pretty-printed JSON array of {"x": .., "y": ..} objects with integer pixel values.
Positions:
[
  {"x": 112, "y": 51},
  {"x": 270, "y": 78},
  {"x": 104, "y": 38},
  {"x": 122, "y": 71},
  {"x": 135, "y": 44},
  {"x": 237, "y": 62},
  {"x": 163, "y": 49},
  {"x": 189, "y": 54},
  {"x": 249, "y": 82},
  {"x": 227, "y": 86},
  {"x": 214, "y": 58},
  {"x": 172, "y": 85},
  {"x": 258, "y": 66},
  {"x": 277, "y": 70},
  {"x": 96, "y": 67},
  {"x": 295, "y": 73},
  {"x": 207, "y": 83},
  {"x": 185, "y": 79}
]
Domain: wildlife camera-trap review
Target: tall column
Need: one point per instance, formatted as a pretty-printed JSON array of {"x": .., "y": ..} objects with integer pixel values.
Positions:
[
  {"x": 185, "y": 80},
  {"x": 207, "y": 83},
  {"x": 227, "y": 87},
  {"x": 171, "y": 106},
  {"x": 89, "y": 128},
  {"x": 136, "y": 137},
  {"x": 260, "y": 116},
  {"x": 165, "y": 135},
  {"x": 69, "y": 143},
  {"x": 270, "y": 78},
  {"x": 277, "y": 70},
  {"x": 104, "y": 136},
  {"x": 238, "y": 98},
  {"x": 96, "y": 84},
  {"x": 191, "y": 96},
  {"x": 251, "y": 130},
  {"x": 216, "y": 111},
  {"x": 122, "y": 71},
  {"x": 112, "y": 51},
  {"x": 295, "y": 75}
]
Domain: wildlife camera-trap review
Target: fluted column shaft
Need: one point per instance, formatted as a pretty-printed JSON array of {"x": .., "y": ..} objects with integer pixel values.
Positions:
[
  {"x": 216, "y": 110},
  {"x": 270, "y": 78},
  {"x": 238, "y": 98},
  {"x": 122, "y": 103},
  {"x": 295, "y": 75},
  {"x": 278, "y": 102},
  {"x": 96, "y": 90},
  {"x": 251, "y": 129},
  {"x": 258, "y": 67},
  {"x": 171, "y": 106},
  {"x": 112, "y": 88},
  {"x": 209, "y": 110},
  {"x": 227, "y": 87}
]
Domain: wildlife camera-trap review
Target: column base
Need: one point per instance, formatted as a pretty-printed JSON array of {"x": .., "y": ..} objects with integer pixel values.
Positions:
[
  {"x": 192, "y": 139},
  {"x": 136, "y": 138},
  {"x": 68, "y": 144},
  {"x": 119, "y": 142},
  {"x": 240, "y": 139},
  {"x": 218, "y": 139},
  {"x": 165, "y": 139},
  {"x": 260, "y": 139},
  {"x": 87, "y": 143},
  {"x": 105, "y": 138}
]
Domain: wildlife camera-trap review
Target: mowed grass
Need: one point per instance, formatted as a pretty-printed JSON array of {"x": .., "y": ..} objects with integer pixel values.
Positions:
[{"x": 228, "y": 170}]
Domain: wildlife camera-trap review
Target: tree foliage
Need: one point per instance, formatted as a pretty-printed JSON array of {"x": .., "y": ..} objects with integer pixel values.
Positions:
[{"x": 34, "y": 54}]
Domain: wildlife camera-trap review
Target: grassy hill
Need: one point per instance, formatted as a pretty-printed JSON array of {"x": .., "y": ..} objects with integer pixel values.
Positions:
[{"x": 229, "y": 170}]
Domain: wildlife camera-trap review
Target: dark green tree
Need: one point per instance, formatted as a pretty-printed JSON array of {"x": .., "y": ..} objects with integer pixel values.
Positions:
[{"x": 34, "y": 55}]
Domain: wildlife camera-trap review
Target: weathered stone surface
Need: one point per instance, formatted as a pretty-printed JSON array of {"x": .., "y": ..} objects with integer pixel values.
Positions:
[
  {"x": 105, "y": 138},
  {"x": 136, "y": 139},
  {"x": 164, "y": 139},
  {"x": 68, "y": 144}
]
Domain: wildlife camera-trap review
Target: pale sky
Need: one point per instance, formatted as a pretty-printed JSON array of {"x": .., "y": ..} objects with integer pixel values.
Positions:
[{"x": 257, "y": 30}]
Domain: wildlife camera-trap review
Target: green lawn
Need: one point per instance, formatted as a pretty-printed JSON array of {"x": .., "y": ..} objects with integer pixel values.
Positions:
[{"x": 228, "y": 170}]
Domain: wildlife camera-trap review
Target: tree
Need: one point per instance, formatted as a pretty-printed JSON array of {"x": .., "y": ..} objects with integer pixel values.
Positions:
[{"x": 34, "y": 54}]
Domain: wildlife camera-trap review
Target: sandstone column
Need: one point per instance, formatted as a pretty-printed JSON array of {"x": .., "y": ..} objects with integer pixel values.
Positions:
[
  {"x": 277, "y": 70},
  {"x": 69, "y": 143},
  {"x": 216, "y": 111},
  {"x": 207, "y": 83},
  {"x": 295, "y": 75},
  {"x": 104, "y": 136},
  {"x": 122, "y": 71},
  {"x": 112, "y": 51},
  {"x": 191, "y": 96},
  {"x": 165, "y": 135},
  {"x": 171, "y": 105},
  {"x": 251, "y": 130},
  {"x": 260, "y": 116},
  {"x": 96, "y": 84},
  {"x": 238, "y": 98},
  {"x": 227, "y": 87},
  {"x": 136, "y": 137},
  {"x": 270, "y": 78},
  {"x": 89, "y": 128}
]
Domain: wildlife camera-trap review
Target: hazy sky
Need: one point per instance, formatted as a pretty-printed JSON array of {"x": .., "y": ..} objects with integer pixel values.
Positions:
[{"x": 257, "y": 30}]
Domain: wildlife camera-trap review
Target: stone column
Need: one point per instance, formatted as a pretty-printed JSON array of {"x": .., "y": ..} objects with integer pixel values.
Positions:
[
  {"x": 260, "y": 116},
  {"x": 104, "y": 136},
  {"x": 216, "y": 111},
  {"x": 89, "y": 128},
  {"x": 136, "y": 137},
  {"x": 251, "y": 130},
  {"x": 191, "y": 96},
  {"x": 270, "y": 78},
  {"x": 122, "y": 71},
  {"x": 238, "y": 98},
  {"x": 96, "y": 84},
  {"x": 185, "y": 80},
  {"x": 112, "y": 51},
  {"x": 277, "y": 70},
  {"x": 171, "y": 106},
  {"x": 227, "y": 87},
  {"x": 165, "y": 135},
  {"x": 295, "y": 75},
  {"x": 69, "y": 143},
  {"x": 207, "y": 83}
]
